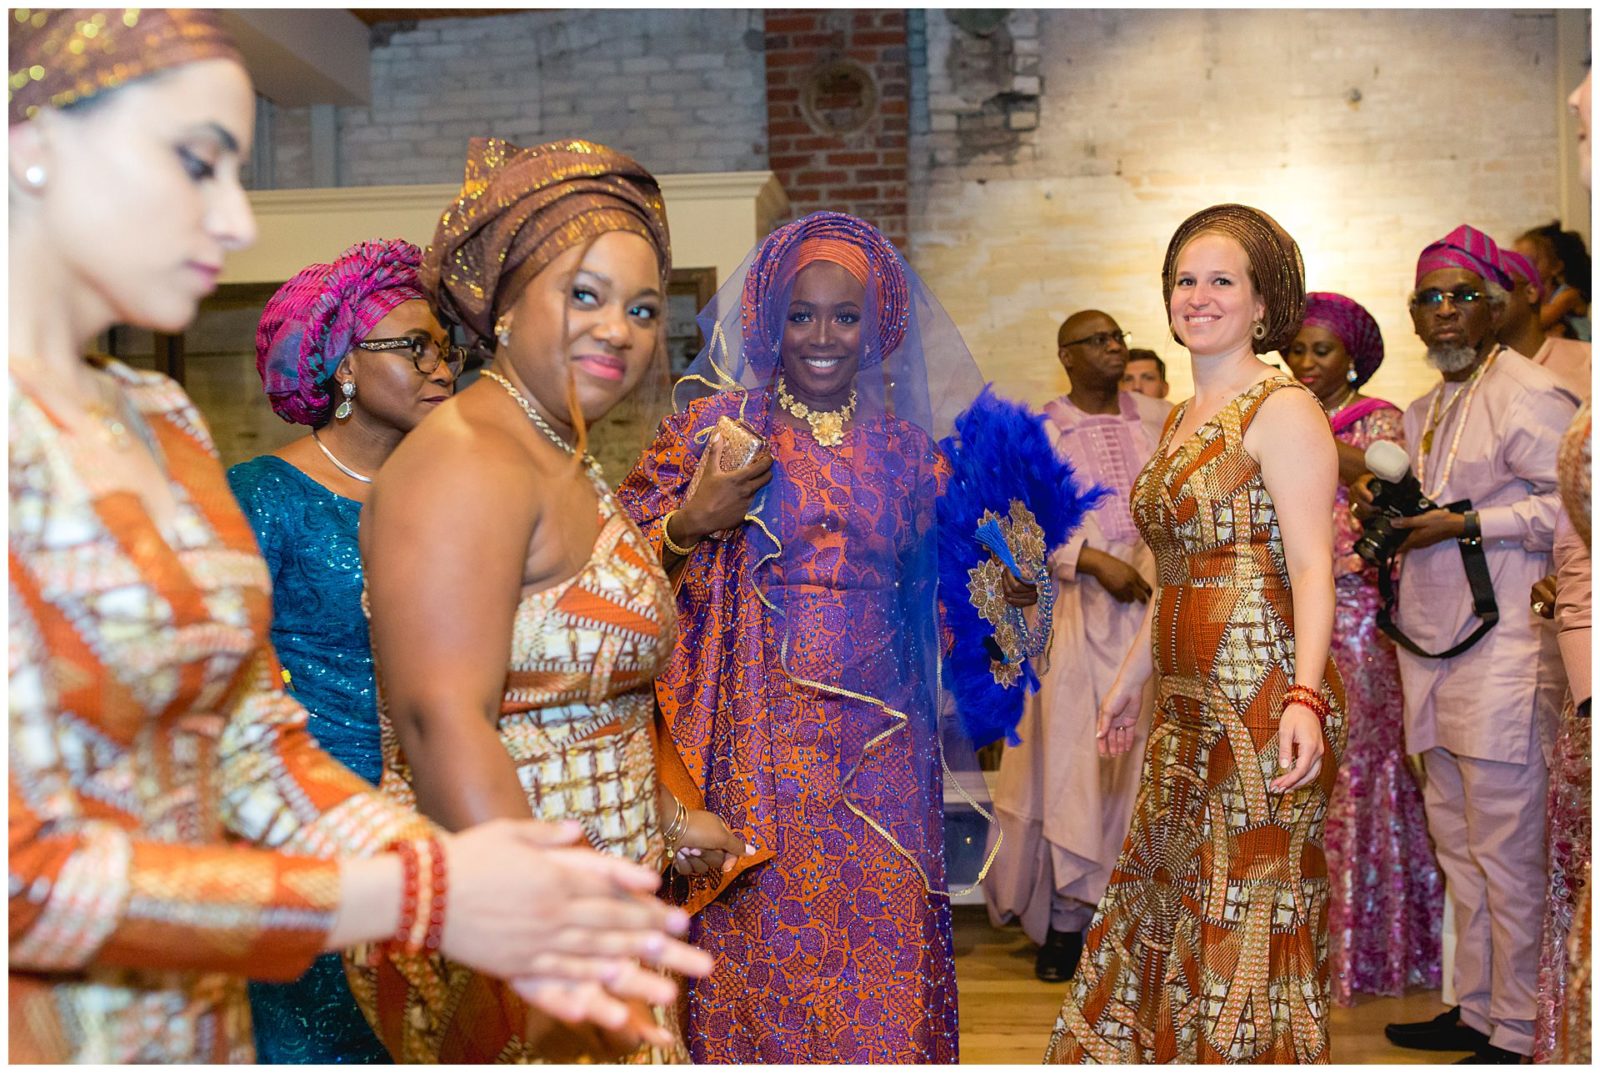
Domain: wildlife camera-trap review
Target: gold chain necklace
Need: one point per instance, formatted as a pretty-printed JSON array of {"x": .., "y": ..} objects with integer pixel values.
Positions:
[
  {"x": 827, "y": 426},
  {"x": 540, "y": 423},
  {"x": 1435, "y": 418}
]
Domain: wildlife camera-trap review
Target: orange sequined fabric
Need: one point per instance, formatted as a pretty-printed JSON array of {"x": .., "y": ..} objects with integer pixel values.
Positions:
[
  {"x": 60, "y": 57},
  {"x": 149, "y": 734},
  {"x": 576, "y": 720},
  {"x": 1211, "y": 943}
]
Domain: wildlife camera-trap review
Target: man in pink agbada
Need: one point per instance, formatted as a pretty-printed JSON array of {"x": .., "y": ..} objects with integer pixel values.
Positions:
[
  {"x": 1484, "y": 721},
  {"x": 1064, "y": 810}
]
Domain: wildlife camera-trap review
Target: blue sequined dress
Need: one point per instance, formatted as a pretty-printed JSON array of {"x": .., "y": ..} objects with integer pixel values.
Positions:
[{"x": 308, "y": 537}]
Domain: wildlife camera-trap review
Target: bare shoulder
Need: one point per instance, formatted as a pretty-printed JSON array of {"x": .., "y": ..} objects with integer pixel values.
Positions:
[
  {"x": 465, "y": 460},
  {"x": 1289, "y": 419}
]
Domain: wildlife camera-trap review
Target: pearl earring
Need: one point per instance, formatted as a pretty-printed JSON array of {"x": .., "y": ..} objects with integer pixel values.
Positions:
[
  {"x": 34, "y": 175},
  {"x": 348, "y": 388}
]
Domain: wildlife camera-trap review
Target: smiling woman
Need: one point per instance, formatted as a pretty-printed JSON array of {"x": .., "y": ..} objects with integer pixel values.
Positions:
[
  {"x": 518, "y": 617},
  {"x": 1210, "y": 943},
  {"x": 360, "y": 320}
]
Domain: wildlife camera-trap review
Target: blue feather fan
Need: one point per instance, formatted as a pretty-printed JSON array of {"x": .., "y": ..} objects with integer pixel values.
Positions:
[{"x": 1002, "y": 465}]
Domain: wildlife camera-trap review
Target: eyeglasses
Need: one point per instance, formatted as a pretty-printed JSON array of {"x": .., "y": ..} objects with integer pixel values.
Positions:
[
  {"x": 1433, "y": 298},
  {"x": 424, "y": 353},
  {"x": 1100, "y": 340}
]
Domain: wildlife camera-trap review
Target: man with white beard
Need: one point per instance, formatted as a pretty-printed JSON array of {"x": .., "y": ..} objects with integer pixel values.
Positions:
[{"x": 1484, "y": 720}]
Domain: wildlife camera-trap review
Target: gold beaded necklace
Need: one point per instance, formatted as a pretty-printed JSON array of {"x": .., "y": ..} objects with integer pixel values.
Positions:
[
  {"x": 1435, "y": 418},
  {"x": 827, "y": 426}
]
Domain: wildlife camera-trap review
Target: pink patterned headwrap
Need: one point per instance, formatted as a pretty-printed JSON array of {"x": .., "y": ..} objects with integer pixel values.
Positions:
[
  {"x": 1519, "y": 266},
  {"x": 315, "y": 318},
  {"x": 1465, "y": 247},
  {"x": 1355, "y": 327}
]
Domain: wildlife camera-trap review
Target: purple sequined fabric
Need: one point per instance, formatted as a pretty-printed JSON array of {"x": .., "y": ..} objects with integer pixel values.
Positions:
[
  {"x": 1569, "y": 834},
  {"x": 1387, "y": 895}
]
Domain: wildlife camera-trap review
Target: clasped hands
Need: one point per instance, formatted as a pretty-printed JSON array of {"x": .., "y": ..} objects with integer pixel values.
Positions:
[{"x": 579, "y": 935}]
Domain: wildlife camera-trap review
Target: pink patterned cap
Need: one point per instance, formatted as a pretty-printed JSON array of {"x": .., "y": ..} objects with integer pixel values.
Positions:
[
  {"x": 1519, "y": 266},
  {"x": 315, "y": 318},
  {"x": 1465, "y": 247}
]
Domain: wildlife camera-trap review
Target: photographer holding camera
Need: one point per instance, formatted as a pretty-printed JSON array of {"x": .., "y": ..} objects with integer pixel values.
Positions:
[{"x": 1481, "y": 516}]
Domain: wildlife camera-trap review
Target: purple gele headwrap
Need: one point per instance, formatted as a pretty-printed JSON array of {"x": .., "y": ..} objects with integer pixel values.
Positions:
[
  {"x": 1465, "y": 247},
  {"x": 316, "y": 317},
  {"x": 1355, "y": 327},
  {"x": 1517, "y": 265},
  {"x": 825, "y": 236}
]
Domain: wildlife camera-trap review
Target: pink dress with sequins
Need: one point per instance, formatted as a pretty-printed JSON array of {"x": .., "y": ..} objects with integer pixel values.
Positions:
[{"x": 1386, "y": 902}]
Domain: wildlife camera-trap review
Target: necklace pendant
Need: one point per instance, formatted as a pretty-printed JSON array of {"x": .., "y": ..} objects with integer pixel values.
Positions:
[{"x": 828, "y": 429}]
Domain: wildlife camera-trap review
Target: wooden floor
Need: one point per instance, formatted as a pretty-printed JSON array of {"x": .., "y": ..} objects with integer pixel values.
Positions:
[{"x": 1006, "y": 1014}]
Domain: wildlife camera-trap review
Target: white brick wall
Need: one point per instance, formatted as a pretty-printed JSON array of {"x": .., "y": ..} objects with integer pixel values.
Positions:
[
  {"x": 1147, "y": 116},
  {"x": 681, "y": 91}
]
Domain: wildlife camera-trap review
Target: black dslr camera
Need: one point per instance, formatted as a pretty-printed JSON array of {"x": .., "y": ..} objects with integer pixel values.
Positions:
[{"x": 1395, "y": 494}]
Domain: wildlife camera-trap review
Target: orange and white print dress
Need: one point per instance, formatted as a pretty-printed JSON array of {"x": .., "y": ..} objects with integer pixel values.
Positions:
[
  {"x": 149, "y": 735},
  {"x": 1211, "y": 942},
  {"x": 577, "y": 720}
]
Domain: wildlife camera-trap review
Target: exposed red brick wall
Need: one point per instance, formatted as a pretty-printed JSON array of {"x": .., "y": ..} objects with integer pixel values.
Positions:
[{"x": 863, "y": 172}]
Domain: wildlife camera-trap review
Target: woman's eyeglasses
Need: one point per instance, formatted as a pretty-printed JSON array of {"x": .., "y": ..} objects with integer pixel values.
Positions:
[{"x": 425, "y": 354}]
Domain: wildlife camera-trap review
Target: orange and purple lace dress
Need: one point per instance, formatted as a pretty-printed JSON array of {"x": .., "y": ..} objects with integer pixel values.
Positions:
[
  {"x": 578, "y": 721},
  {"x": 149, "y": 736},
  {"x": 1211, "y": 943},
  {"x": 832, "y": 943}
]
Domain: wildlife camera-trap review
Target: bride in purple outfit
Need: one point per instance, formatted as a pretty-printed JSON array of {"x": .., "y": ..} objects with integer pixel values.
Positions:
[{"x": 1387, "y": 894}]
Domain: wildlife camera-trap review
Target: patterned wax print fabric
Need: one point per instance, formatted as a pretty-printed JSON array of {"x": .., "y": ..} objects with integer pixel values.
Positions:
[
  {"x": 307, "y": 535},
  {"x": 149, "y": 735},
  {"x": 577, "y": 720},
  {"x": 1386, "y": 899},
  {"x": 1211, "y": 943},
  {"x": 833, "y": 943}
]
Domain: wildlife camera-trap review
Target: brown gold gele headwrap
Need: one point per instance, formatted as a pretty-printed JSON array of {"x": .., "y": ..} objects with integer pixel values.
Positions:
[
  {"x": 519, "y": 209},
  {"x": 64, "y": 56},
  {"x": 1276, "y": 269}
]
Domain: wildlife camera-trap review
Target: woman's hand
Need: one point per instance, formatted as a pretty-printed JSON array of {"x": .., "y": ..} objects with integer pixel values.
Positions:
[
  {"x": 578, "y": 932},
  {"x": 1300, "y": 748},
  {"x": 1119, "y": 715},
  {"x": 707, "y": 845},
  {"x": 1018, "y": 593},
  {"x": 721, "y": 500}
]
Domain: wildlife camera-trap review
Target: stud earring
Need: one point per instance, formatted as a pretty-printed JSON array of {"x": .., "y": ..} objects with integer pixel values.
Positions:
[
  {"x": 34, "y": 175},
  {"x": 348, "y": 388},
  {"x": 1350, "y": 374}
]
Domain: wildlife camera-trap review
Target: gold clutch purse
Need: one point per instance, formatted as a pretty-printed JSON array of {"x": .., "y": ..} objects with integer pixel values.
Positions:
[{"x": 740, "y": 447}]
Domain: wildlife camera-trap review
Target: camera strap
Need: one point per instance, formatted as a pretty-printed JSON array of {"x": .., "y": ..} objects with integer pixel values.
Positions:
[{"x": 1484, "y": 606}]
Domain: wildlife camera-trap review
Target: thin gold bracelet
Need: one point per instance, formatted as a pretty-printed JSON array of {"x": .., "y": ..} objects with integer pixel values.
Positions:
[{"x": 667, "y": 539}]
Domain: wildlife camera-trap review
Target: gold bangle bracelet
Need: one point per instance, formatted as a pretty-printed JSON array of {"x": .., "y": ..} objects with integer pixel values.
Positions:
[{"x": 666, "y": 538}]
